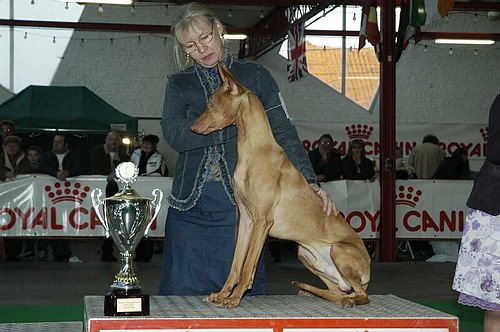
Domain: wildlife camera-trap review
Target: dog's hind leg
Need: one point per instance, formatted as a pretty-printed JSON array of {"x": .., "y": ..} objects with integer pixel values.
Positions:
[
  {"x": 342, "y": 287},
  {"x": 353, "y": 262},
  {"x": 313, "y": 264}
]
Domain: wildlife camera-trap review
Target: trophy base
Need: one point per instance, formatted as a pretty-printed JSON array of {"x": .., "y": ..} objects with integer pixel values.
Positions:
[{"x": 126, "y": 303}]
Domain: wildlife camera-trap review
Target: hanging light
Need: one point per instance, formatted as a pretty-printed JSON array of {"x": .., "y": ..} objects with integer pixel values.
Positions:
[
  {"x": 261, "y": 15},
  {"x": 235, "y": 36},
  {"x": 230, "y": 13},
  {"x": 464, "y": 41},
  {"x": 103, "y": 2}
]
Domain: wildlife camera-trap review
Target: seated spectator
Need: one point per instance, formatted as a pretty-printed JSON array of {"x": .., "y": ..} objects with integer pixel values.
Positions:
[
  {"x": 61, "y": 162},
  {"x": 150, "y": 163},
  {"x": 7, "y": 129},
  {"x": 454, "y": 167},
  {"x": 326, "y": 160},
  {"x": 34, "y": 156},
  {"x": 355, "y": 165},
  {"x": 14, "y": 161},
  {"x": 403, "y": 170},
  {"x": 34, "y": 248},
  {"x": 426, "y": 157},
  {"x": 148, "y": 159},
  {"x": 103, "y": 160}
]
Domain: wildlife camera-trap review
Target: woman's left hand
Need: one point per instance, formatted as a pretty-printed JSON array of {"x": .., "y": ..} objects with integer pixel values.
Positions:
[{"x": 328, "y": 205}]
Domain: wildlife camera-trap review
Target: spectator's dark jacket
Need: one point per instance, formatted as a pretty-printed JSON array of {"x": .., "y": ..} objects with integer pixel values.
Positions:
[
  {"x": 332, "y": 170},
  {"x": 21, "y": 166},
  {"x": 100, "y": 161},
  {"x": 349, "y": 171},
  {"x": 72, "y": 163}
]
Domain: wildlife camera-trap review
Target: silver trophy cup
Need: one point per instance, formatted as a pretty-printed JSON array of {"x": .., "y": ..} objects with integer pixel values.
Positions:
[{"x": 127, "y": 218}]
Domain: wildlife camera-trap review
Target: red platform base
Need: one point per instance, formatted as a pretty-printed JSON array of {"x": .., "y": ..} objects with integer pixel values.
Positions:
[{"x": 275, "y": 313}]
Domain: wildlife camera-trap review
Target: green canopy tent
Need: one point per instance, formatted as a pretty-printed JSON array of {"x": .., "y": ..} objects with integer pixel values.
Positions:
[
  {"x": 64, "y": 108},
  {"x": 38, "y": 112}
]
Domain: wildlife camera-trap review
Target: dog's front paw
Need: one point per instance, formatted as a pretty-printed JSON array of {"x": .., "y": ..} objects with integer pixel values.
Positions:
[
  {"x": 214, "y": 297},
  {"x": 304, "y": 293},
  {"x": 229, "y": 302}
]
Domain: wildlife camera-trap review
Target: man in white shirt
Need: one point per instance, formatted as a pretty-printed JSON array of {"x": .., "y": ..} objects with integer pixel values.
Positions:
[{"x": 61, "y": 163}]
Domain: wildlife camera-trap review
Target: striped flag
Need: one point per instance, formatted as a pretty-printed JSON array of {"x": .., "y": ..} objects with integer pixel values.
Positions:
[
  {"x": 404, "y": 30},
  {"x": 369, "y": 26},
  {"x": 297, "y": 64}
]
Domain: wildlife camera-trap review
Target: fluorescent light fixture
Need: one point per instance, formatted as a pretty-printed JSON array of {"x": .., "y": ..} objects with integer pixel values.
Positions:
[
  {"x": 465, "y": 41},
  {"x": 235, "y": 36},
  {"x": 101, "y": 2}
]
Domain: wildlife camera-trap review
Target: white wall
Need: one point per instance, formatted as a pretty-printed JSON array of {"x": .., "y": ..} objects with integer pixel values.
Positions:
[{"x": 432, "y": 86}]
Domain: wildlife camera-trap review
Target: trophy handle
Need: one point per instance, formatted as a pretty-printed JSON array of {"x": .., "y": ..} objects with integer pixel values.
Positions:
[
  {"x": 156, "y": 203},
  {"x": 97, "y": 201}
]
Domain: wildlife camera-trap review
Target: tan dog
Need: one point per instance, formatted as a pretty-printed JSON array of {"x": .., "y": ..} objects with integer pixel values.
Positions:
[{"x": 275, "y": 199}]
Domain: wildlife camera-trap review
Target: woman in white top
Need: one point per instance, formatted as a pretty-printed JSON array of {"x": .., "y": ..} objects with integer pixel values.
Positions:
[
  {"x": 148, "y": 159},
  {"x": 150, "y": 163}
]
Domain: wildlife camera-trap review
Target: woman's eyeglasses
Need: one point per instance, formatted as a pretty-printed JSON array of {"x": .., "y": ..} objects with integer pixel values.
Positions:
[{"x": 203, "y": 41}]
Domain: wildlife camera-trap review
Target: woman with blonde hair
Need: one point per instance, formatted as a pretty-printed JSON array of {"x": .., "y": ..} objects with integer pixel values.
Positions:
[{"x": 200, "y": 232}]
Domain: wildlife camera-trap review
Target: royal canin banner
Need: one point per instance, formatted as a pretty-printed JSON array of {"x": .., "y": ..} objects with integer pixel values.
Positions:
[
  {"x": 42, "y": 206},
  {"x": 472, "y": 137}
]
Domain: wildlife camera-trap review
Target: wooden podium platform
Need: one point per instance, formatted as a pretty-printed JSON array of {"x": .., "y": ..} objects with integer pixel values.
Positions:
[{"x": 274, "y": 313}]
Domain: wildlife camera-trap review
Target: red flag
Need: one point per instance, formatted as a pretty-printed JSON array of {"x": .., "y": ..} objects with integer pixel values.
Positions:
[{"x": 369, "y": 25}]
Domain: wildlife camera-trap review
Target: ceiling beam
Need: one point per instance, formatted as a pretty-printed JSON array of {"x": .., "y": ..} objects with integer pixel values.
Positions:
[
  {"x": 165, "y": 29},
  {"x": 120, "y": 27},
  {"x": 458, "y": 5}
]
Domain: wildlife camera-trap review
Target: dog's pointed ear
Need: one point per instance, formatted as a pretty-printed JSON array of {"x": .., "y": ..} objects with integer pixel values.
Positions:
[{"x": 229, "y": 82}]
